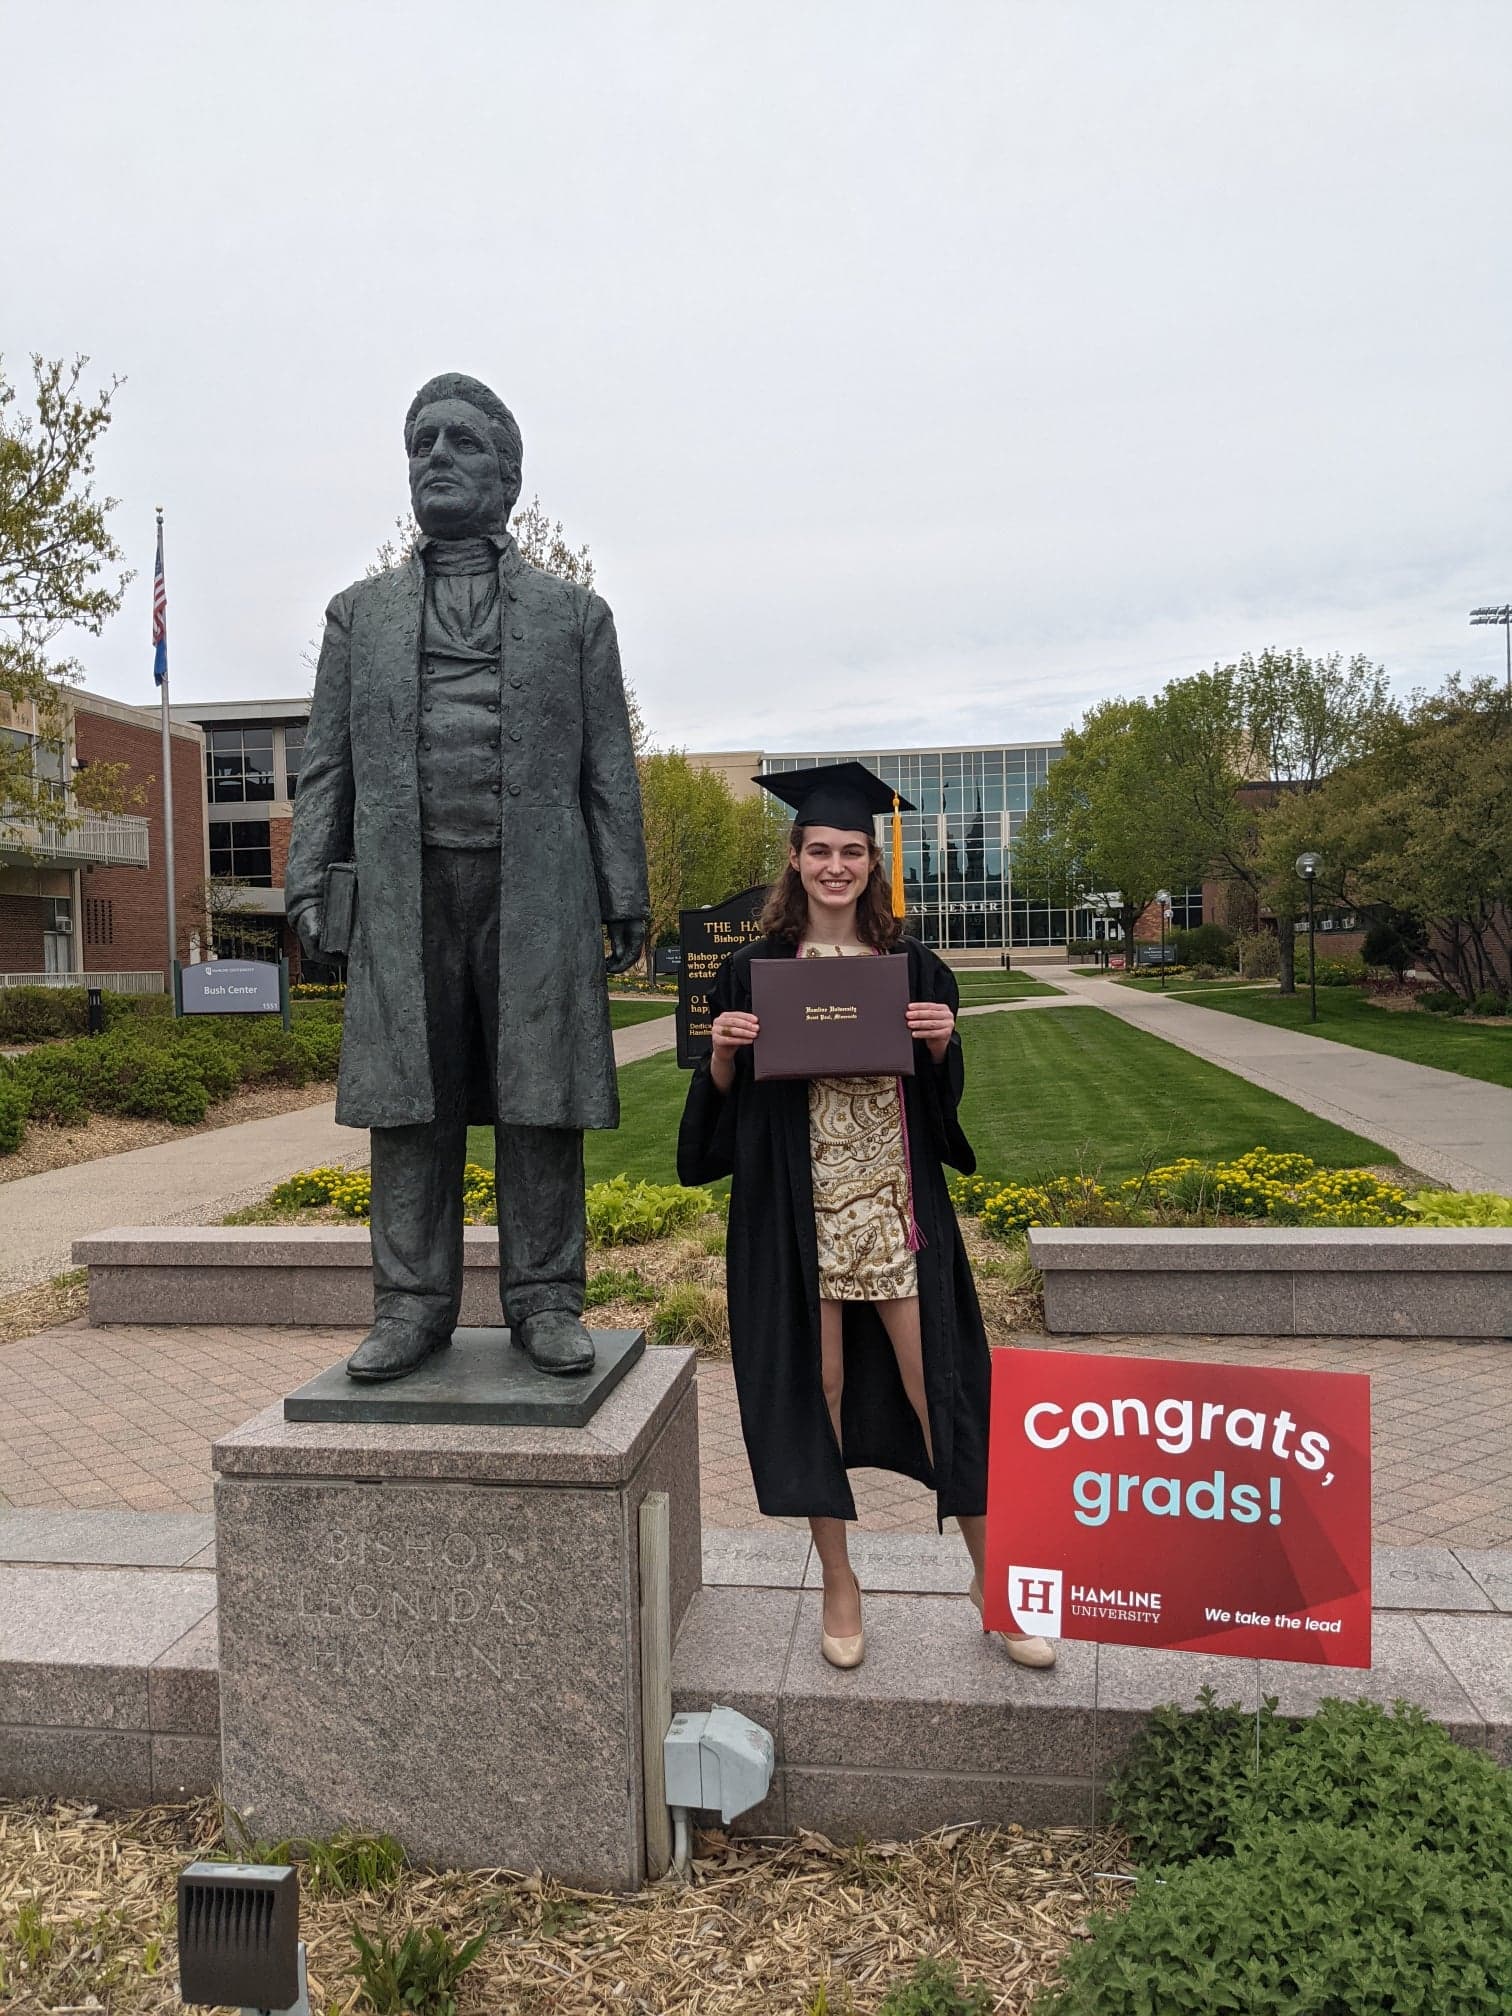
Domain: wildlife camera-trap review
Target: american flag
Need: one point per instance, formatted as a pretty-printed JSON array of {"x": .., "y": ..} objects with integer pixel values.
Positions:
[{"x": 159, "y": 615}]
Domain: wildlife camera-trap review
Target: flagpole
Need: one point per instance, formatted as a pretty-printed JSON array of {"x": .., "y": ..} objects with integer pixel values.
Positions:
[{"x": 162, "y": 667}]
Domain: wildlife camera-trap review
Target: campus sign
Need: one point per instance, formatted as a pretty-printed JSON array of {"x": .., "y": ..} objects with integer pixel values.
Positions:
[
  {"x": 707, "y": 938},
  {"x": 231, "y": 987},
  {"x": 1200, "y": 1508}
]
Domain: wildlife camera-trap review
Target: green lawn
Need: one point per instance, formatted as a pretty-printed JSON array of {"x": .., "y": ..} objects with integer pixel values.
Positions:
[
  {"x": 1043, "y": 1093},
  {"x": 978, "y": 988},
  {"x": 622, "y": 1012},
  {"x": 1482, "y": 1050}
]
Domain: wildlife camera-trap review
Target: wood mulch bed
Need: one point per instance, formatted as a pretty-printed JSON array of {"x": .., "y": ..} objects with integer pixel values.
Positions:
[
  {"x": 29, "y": 1311},
  {"x": 763, "y": 1929},
  {"x": 46, "y": 1147}
]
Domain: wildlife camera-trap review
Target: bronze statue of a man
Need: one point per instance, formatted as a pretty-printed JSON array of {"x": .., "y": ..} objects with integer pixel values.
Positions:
[{"x": 469, "y": 754}]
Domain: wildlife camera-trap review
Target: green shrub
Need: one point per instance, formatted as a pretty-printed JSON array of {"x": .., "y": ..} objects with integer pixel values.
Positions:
[
  {"x": 622, "y": 1213},
  {"x": 1489, "y": 1002},
  {"x": 1306, "y": 1920},
  {"x": 935, "y": 1989},
  {"x": 1346, "y": 972},
  {"x": 1460, "y": 1207},
  {"x": 1205, "y": 945},
  {"x": 33, "y": 1014},
  {"x": 1179, "y": 1793},
  {"x": 1442, "y": 1001},
  {"x": 690, "y": 1314},
  {"x": 416, "y": 1975},
  {"x": 167, "y": 1087},
  {"x": 15, "y": 1110},
  {"x": 1353, "y": 1765},
  {"x": 1258, "y": 954},
  {"x": 54, "y": 1083}
]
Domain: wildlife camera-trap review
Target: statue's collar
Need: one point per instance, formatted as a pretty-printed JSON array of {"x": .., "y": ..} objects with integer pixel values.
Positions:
[{"x": 503, "y": 543}]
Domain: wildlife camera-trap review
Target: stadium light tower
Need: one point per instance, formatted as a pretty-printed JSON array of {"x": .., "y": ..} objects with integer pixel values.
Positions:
[{"x": 1503, "y": 615}]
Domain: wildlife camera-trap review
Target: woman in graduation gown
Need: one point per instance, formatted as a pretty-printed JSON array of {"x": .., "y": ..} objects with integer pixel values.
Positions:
[{"x": 855, "y": 1332}]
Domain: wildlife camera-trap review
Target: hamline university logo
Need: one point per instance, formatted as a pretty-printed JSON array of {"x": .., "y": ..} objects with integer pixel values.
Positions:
[{"x": 1035, "y": 1597}]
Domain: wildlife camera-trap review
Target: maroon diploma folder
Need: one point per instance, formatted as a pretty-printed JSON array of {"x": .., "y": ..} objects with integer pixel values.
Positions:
[{"x": 832, "y": 1017}]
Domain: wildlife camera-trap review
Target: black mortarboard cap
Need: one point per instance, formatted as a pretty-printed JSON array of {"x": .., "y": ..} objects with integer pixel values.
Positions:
[{"x": 846, "y": 796}]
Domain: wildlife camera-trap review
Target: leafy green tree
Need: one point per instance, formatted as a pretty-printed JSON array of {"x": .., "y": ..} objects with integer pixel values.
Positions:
[
  {"x": 690, "y": 824},
  {"x": 759, "y": 842},
  {"x": 1243, "y": 742},
  {"x": 1104, "y": 830},
  {"x": 1421, "y": 828},
  {"x": 58, "y": 561}
]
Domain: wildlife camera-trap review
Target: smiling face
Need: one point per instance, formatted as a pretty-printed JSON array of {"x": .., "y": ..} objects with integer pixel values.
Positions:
[
  {"x": 834, "y": 867},
  {"x": 455, "y": 482}
]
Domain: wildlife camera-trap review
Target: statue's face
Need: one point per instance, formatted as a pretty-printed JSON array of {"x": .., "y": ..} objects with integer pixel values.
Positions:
[{"x": 455, "y": 483}]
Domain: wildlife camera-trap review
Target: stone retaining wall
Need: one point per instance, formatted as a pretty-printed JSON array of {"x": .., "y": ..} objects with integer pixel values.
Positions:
[{"x": 1277, "y": 1281}]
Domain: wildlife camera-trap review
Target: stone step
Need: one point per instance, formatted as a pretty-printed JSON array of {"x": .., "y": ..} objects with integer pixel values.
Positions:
[{"x": 109, "y": 1685}]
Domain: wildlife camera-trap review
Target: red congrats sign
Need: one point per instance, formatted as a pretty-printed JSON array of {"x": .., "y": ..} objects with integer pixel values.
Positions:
[{"x": 1203, "y": 1508}]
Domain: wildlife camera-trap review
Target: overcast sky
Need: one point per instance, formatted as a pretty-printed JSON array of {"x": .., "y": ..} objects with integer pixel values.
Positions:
[{"x": 916, "y": 373}]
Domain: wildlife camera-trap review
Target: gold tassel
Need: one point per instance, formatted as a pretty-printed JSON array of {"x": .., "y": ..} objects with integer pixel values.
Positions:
[{"x": 896, "y": 877}]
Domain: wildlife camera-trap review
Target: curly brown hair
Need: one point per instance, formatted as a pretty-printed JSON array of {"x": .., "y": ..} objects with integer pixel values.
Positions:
[{"x": 785, "y": 914}]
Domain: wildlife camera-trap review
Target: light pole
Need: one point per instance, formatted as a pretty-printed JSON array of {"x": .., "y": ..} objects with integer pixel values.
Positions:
[
  {"x": 1307, "y": 868},
  {"x": 1163, "y": 898},
  {"x": 1503, "y": 615}
]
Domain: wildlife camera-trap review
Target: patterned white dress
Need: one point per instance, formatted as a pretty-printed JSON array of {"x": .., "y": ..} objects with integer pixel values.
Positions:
[{"x": 863, "y": 1212}]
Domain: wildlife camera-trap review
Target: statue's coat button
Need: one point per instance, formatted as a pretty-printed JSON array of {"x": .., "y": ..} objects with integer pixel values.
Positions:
[
  {"x": 517, "y": 681},
  {"x": 495, "y": 789},
  {"x": 514, "y": 734},
  {"x": 517, "y": 633},
  {"x": 514, "y": 790}
]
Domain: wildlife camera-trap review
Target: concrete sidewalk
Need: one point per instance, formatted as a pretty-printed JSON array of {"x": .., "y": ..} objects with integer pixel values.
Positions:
[
  {"x": 197, "y": 1180},
  {"x": 1456, "y": 1130}
]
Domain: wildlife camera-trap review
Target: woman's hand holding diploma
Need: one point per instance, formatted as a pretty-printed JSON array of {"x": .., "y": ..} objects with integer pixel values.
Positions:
[
  {"x": 731, "y": 1031},
  {"x": 933, "y": 1024}
]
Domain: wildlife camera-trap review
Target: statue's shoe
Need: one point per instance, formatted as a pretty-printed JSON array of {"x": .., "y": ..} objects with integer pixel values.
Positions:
[
  {"x": 390, "y": 1350},
  {"x": 555, "y": 1341}
]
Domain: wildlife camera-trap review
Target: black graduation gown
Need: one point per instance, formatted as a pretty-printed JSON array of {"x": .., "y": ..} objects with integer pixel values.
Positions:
[{"x": 758, "y": 1134}]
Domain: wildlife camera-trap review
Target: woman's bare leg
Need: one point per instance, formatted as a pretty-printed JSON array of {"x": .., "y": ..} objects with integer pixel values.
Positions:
[
  {"x": 901, "y": 1322},
  {"x": 842, "y": 1598}
]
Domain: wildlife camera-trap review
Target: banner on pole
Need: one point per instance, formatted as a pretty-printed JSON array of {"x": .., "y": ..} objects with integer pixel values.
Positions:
[{"x": 1199, "y": 1508}]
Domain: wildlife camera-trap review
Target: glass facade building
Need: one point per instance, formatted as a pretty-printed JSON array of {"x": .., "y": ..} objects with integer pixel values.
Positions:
[{"x": 958, "y": 842}]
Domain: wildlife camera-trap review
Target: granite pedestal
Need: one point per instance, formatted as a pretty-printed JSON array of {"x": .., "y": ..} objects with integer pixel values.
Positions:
[{"x": 433, "y": 1630}]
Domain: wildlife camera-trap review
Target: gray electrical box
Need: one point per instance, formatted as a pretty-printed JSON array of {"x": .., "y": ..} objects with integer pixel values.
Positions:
[{"x": 718, "y": 1761}]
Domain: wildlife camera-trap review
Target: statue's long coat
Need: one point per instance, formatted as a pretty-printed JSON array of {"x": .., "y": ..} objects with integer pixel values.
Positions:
[
  {"x": 572, "y": 852},
  {"x": 758, "y": 1134}
]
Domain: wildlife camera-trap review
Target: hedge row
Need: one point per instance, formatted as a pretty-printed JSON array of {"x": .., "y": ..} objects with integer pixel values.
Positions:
[
  {"x": 37, "y": 1014},
  {"x": 156, "y": 1068}
]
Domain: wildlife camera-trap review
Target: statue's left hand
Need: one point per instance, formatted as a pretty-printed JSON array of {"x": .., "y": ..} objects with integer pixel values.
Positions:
[{"x": 627, "y": 941}]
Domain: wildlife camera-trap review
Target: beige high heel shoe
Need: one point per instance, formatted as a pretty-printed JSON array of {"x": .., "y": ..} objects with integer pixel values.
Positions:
[
  {"x": 842, "y": 1652},
  {"x": 1024, "y": 1651}
]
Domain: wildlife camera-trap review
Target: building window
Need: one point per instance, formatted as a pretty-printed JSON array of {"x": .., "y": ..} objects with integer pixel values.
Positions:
[
  {"x": 240, "y": 848},
  {"x": 294, "y": 740},
  {"x": 246, "y": 941},
  {"x": 1186, "y": 909},
  {"x": 238, "y": 765}
]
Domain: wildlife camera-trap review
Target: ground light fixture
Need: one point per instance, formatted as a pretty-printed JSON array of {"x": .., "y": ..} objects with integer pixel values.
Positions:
[
  {"x": 1163, "y": 898},
  {"x": 238, "y": 1938},
  {"x": 1502, "y": 615},
  {"x": 1307, "y": 867}
]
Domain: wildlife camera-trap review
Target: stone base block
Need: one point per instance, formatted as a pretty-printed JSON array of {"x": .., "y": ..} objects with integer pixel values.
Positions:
[
  {"x": 1277, "y": 1281},
  {"x": 311, "y": 1275},
  {"x": 434, "y": 1632}
]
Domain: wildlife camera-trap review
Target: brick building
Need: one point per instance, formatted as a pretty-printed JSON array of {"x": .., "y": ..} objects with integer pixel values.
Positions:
[
  {"x": 247, "y": 783},
  {"x": 88, "y": 898}
]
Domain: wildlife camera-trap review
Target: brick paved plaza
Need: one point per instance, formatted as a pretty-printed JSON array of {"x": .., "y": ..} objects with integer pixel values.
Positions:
[{"x": 123, "y": 1419}]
